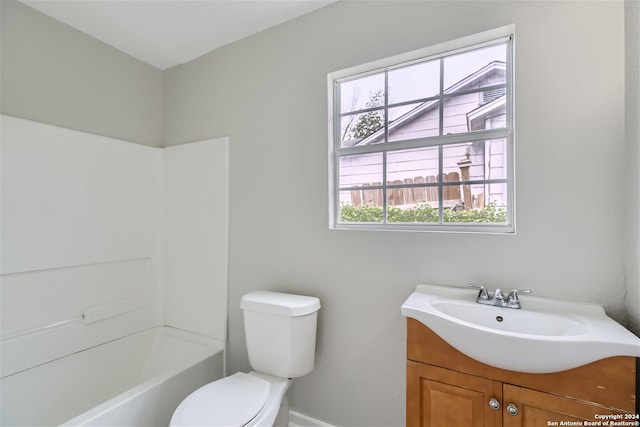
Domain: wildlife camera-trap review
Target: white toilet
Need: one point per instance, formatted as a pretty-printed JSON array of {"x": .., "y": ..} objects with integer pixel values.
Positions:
[{"x": 281, "y": 338}]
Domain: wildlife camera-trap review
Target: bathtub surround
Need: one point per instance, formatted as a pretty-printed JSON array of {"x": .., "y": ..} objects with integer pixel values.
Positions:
[
  {"x": 97, "y": 235},
  {"x": 59, "y": 184},
  {"x": 196, "y": 186},
  {"x": 76, "y": 234},
  {"x": 268, "y": 93}
]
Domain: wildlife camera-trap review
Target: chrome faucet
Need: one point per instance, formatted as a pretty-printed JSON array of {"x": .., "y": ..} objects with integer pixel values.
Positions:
[{"x": 498, "y": 299}]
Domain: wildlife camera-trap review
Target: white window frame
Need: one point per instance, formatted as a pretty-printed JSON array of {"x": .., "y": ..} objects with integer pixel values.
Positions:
[{"x": 487, "y": 38}]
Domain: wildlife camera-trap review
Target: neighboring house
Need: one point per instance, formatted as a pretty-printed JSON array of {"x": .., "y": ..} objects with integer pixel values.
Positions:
[{"x": 462, "y": 113}]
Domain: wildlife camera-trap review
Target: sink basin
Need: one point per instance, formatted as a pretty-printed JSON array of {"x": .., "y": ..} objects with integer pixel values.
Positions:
[
  {"x": 545, "y": 335},
  {"x": 505, "y": 320}
]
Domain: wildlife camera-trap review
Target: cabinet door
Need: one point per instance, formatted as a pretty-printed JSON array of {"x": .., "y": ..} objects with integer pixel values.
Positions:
[
  {"x": 438, "y": 397},
  {"x": 533, "y": 408}
]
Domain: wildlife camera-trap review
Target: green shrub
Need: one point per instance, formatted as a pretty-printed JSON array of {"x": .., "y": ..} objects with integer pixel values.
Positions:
[
  {"x": 422, "y": 213},
  {"x": 363, "y": 213}
]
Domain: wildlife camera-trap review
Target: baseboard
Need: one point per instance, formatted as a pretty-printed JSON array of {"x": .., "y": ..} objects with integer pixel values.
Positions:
[{"x": 296, "y": 419}]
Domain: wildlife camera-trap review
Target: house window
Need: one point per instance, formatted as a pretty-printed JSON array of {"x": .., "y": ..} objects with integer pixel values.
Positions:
[{"x": 424, "y": 141}]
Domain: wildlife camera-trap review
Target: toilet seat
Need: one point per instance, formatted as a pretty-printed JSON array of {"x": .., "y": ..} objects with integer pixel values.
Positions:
[{"x": 231, "y": 401}]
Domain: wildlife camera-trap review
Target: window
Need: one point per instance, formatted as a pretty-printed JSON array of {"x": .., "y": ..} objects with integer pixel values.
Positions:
[{"x": 424, "y": 141}]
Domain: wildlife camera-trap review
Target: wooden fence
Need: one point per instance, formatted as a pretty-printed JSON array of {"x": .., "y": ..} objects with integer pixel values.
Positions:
[{"x": 451, "y": 194}]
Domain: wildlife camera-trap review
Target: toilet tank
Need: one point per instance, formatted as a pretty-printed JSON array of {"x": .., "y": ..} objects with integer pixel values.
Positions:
[{"x": 281, "y": 332}]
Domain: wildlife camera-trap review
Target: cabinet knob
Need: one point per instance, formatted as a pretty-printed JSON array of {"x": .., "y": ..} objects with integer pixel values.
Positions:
[
  {"x": 494, "y": 404},
  {"x": 512, "y": 409}
]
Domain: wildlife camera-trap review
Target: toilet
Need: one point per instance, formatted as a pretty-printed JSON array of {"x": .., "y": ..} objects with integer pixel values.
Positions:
[{"x": 280, "y": 330}]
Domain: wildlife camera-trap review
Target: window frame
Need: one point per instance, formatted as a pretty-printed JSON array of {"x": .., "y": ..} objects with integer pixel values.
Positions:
[{"x": 336, "y": 150}]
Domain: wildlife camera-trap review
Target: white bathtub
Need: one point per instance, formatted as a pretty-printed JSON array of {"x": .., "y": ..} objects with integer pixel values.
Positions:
[{"x": 137, "y": 380}]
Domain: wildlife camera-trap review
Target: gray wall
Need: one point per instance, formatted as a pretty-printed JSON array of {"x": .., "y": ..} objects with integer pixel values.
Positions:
[
  {"x": 55, "y": 74},
  {"x": 632, "y": 114},
  {"x": 268, "y": 93}
]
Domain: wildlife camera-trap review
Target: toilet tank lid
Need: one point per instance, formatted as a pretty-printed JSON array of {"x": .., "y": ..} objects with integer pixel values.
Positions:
[{"x": 280, "y": 303}]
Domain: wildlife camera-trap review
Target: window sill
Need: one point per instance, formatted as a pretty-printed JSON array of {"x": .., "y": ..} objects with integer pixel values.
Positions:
[{"x": 502, "y": 229}]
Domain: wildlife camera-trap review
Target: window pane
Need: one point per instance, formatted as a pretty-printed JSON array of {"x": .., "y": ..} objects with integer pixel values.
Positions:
[
  {"x": 485, "y": 206},
  {"x": 491, "y": 112},
  {"x": 353, "y": 209},
  {"x": 360, "y": 169},
  {"x": 454, "y": 157},
  {"x": 356, "y": 128},
  {"x": 475, "y": 161},
  {"x": 496, "y": 194},
  {"x": 478, "y": 160},
  {"x": 407, "y": 166},
  {"x": 415, "y": 213},
  {"x": 496, "y": 159},
  {"x": 471, "y": 112},
  {"x": 451, "y": 194},
  {"x": 414, "y": 121},
  {"x": 362, "y": 93},
  {"x": 464, "y": 162},
  {"x": 414, "y": 82},
  {"x": 476, "y": 68},
  {"x": 485, "y": 195}
]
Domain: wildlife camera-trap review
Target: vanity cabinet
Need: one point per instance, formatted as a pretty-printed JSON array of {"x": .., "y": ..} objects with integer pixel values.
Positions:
[
  {"x": 441, "y": 397},
  {"x": 447, "y": 388},
  {"x": 536, "y": 408}
]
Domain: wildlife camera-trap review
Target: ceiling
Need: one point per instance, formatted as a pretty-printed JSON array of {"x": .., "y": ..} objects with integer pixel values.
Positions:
[{"x": 165, "y": 33}]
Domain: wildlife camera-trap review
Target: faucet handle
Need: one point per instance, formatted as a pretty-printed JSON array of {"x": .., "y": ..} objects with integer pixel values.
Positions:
[
  {"x": 512, "y": 299},
  {"x": 483, "y": 295}
]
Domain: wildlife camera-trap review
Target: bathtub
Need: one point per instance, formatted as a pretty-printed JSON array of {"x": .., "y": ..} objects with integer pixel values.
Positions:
[{"x": 137, "y": 380}]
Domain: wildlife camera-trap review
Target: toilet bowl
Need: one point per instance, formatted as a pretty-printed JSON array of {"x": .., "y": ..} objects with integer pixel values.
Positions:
[{"x": 280, "y": 331}]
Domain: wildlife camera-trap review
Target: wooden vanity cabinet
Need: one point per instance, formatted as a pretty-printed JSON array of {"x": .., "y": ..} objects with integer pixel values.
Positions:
[
  {"x": 447, "y": 388},
  {"x": 441, "y": 397},
  {"x": 542, "y": 409}
]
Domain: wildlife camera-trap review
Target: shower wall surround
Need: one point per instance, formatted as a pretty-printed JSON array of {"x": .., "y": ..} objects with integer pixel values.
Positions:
[
  {"x": 83, "y": 234},
  {"x": 196, "y": 192}
]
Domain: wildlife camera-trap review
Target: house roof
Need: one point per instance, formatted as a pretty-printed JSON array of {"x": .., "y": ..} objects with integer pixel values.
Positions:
[{"x": 477, "y": 116}]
